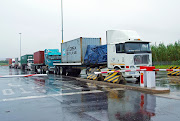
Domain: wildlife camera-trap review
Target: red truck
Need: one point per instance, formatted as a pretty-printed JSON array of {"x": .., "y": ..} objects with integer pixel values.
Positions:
[
  {"x": 43, "y": 60},
  {"x": 10, "y": 63},
  {"x": 39, "y": 65}
]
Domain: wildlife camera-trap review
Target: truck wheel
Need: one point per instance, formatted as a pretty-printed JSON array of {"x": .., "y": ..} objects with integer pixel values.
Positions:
[
  {"x": 57, "y": 70},
  {"x": 64, "y": 71},
  {"x": 40, "y": 71},
  {"x": 43, "y": 71},
  {"x": 35, "y": 69},
  {"x": 87, "y": 70},
  {"x": 78, "y": 71},
  {"x": 137, "y": 80},
  {"x": 73, "y": 72},
  {"x": 50, "y": 72}
]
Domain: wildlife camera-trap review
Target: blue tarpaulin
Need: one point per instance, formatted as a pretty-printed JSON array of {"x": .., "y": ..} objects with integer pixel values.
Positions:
[{"x": 96, "y": 54}]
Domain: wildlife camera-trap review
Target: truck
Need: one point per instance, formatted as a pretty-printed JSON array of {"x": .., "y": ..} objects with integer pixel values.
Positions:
[
  {"x": 19, "y": 64},
  {"x": 13, "y": 63},
  {"x": 73, "y": 53},
  {"x": 16, "y": 63},
  {"x": 124, "y": 54},
  {"x": 10, "y": 62},
  {"x": 125, "y": 50},
  {"x": 43, "y": 60},
  {"x": 27, "y": 61}
]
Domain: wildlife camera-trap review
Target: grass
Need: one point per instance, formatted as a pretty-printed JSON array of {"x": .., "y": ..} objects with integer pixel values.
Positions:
[
  {"x": 165, "y": 66},
  {"x": 157, "y": 66},
  {"x": 3, "y": 64}
]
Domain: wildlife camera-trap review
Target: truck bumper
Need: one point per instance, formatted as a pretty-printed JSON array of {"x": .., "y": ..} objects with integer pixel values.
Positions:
[{"x": 131, "y": 74}]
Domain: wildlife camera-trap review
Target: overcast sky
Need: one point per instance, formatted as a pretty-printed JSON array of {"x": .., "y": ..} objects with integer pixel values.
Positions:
[{"x": 39, "y": 21}]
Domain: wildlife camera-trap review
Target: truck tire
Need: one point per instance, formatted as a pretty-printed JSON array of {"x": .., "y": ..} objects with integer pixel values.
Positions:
[
  {"x": 73, "y": 72},
  {"x": 41, "y": 71},
  {"x": 137, "y": 80},
  {"x": 50, "y": 72},
  {"x": 23, "y": 67},
  {"x": 77, "y": 72},
  {"x": 64, "y": 71},
  {"x": 35, "y": 69},
  {"x": 57, "y": 70},
  {"x": 87, "y": 70}
]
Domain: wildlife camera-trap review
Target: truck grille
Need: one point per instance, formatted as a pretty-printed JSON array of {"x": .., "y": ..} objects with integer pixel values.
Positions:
[{"x": 141, "y": 59}]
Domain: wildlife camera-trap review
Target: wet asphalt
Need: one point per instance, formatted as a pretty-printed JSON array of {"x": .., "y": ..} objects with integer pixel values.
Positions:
[{"x": 57, "y": 98}]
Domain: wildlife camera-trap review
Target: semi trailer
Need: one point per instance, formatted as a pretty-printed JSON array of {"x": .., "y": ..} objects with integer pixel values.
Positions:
[
  {"x": 16, "y": 63},
  {"x": 13, "y": 63},
  {"x": 27, "y": 61},
  {"x": 125, "y": 50},
  {"x": 43, "y": 60},
  {"x": 10, "y": 63},
  {"x": 73, "y": 53}
]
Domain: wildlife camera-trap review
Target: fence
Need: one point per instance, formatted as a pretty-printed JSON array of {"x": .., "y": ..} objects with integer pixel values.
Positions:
[{"x": 166, "y": 63}]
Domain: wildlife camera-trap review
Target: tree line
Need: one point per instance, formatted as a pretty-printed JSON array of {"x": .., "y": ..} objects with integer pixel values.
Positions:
[
  {"x": 3, "y": 61},
  {"x": 163, "y": 53}
]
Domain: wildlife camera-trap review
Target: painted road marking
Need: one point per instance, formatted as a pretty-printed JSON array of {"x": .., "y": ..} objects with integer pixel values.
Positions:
[
  {"x": 24, "y": 91},
  {"x": 52, "y": 95},
  {"x": 35, "y": 88},
  {"x": 72, "y": 86},
  {"x": 172, "y": 95},
  {"x": 7, "y": 92},
  {"x": 11, "y": 85}
]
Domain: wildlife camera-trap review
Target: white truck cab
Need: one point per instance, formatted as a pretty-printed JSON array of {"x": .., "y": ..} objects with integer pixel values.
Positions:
[
  {"x": 125, "y": 50},
  {"x": 29, "y": 64},
  {"x": 13, "y": 63}
]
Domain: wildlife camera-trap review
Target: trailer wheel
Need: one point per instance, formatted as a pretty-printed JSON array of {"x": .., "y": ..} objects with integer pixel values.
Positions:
[
  {"x": 57, "y": 70},
  {"x": 76, "y": 72},
  {"x": 64, "y": 71},
  {"x": 137, "y": 80},
  {"x": 73, "y": 72},
  {"x": 35, "y": 69},
  {"x": 87, "y": 70},
  {"x": 41, "y": 70},
  {"x": 50, "y": 72}
]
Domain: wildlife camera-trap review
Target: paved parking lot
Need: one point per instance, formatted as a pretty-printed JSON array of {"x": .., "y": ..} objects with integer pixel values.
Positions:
[{"x": 56, "y": 98}]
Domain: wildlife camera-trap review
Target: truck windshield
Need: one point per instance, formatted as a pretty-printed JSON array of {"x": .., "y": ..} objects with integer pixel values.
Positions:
[
  {"x": 54, "y": 57},
  {"x": 137, "y": 47}
]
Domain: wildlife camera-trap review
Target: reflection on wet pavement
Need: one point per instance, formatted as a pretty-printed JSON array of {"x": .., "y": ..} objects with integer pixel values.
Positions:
[{"x": 61, "y": 98}]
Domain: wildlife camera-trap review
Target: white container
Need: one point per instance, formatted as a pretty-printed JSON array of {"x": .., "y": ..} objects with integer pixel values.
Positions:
[{"x": 74, "y": 51}]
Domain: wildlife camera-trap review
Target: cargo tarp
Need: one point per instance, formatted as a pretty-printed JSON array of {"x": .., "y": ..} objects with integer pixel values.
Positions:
[{"x": 95, "y": 54}]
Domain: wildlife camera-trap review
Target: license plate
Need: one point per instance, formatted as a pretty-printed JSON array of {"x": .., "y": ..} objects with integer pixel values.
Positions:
[{"x": 131, "y": 72}]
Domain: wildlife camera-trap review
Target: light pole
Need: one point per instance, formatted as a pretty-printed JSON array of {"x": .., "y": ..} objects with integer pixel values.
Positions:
[
  {"x": 62, "y": 17},
  {"x": 20, "y": 45}
]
